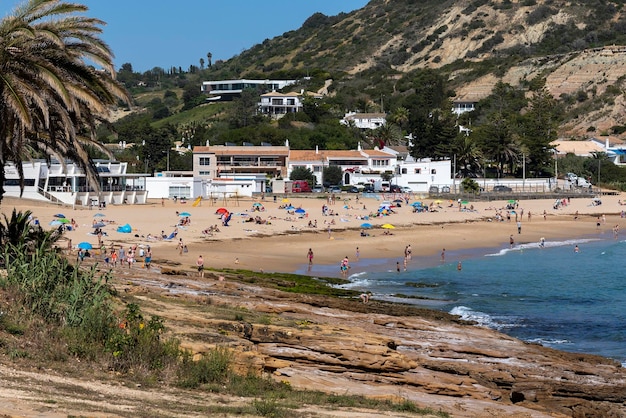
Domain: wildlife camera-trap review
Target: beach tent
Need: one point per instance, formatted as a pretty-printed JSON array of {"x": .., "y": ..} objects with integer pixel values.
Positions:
[{"x": 125, "y": 229}]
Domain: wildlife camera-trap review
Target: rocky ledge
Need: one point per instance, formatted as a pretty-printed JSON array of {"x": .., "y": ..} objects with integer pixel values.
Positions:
[{"x": 385, "y": 350}]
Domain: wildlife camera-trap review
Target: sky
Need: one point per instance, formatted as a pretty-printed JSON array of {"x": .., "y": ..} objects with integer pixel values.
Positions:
[{"x": 163, "y": 34}]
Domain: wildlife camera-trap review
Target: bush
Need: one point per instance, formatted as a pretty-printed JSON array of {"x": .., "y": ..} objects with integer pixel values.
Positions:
[{"x": 213, "y": 367}]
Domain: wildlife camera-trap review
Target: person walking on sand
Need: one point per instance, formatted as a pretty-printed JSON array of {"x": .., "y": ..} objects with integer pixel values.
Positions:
[
  {"x": 358, "y": 253},
  {"x": 200, "y": 264},
  {"x": 519, "y": 227},
  {"x": 180, "y": 246},
  {"x": 310, "y": 256},
  {"x": 511, "y": 241}
]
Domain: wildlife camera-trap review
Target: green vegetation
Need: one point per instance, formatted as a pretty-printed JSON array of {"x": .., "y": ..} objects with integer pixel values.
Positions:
[{"x": 68, "y": 312}]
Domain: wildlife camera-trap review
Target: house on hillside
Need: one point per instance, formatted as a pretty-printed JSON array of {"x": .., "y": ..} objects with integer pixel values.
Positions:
[
  {"x": 225, "y": 90},
  {"x": 364, "y": 120},
  {"x": 278, "y": 104}
]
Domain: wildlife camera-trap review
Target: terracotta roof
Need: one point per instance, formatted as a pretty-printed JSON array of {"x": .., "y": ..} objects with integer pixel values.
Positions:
[
  {"x": 311, "y": 155},
  {"x": 241, "y": 150}
]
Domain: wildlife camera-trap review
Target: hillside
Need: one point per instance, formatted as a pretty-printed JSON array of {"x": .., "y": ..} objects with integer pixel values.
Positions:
[{"x": 574, "y": 45}]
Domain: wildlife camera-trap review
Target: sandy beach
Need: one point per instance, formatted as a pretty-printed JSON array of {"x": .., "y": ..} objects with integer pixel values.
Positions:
[{"x": 281, "y": 243}]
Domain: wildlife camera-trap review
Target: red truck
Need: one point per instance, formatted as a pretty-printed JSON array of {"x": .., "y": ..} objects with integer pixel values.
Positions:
[{"x": 300, "y": 186}]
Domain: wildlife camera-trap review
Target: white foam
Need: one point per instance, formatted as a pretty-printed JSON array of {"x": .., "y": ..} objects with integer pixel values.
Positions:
[
  {"x": 547, "y": 244},
  {"x": 483, "y": 319}
]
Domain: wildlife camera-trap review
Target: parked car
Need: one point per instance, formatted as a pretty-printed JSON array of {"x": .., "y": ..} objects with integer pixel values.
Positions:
[
  {"x": 334, "y": 189},
  {"x": 354, "y": 189},
  {"x": 394, "y": 188},
  {"x": 318, "y": 189},
  {"x": 501, "y": 188},
  {"x": 368, "y": 188},
  {"x": 433, "y": 189},
  {"x": 406, "y": 189},
  {"x": 445, "y": 189}
]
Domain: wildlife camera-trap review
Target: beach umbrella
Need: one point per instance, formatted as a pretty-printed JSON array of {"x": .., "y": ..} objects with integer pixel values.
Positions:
[
  {"x": 300, "y": 210},
  {"x": 184, "y": 214},
  {"x": 56, "y": 223},
  {"x": 64, "y": 220},
  {"x": 98, "y": 225},
  {"x": 257, "y": 204},
  {"x": 99, "y": 215},
  {"x": 398, "y": 201},
  {"x": 388, "y": 226},
  {"x": 59, "y": 215},
  {"x": 414, "y": 204},
  {"x": 366, "y": 225},
  {"x": 465, "y": 202},
  {"x": 438, "y": 201},
  {"x": 511, "y": 201},
  {"x": 221, "y": 211},
  {"x": 289, "y": 207},
  {"x": 85, "y": 246},
  {"x": 285, "y": 200}
]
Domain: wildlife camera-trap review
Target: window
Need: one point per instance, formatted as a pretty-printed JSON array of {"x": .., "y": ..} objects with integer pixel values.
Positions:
[
  {"x": 205, "y": 161},
  {"x": 433, "y": 171},
  {"x": 403, "y": 170},
  {"x": 204, "y": 173},
  {"x": 418, "y": 171}
]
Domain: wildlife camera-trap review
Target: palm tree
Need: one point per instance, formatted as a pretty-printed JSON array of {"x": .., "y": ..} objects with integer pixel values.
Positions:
[{"x": 50, "y": 99}]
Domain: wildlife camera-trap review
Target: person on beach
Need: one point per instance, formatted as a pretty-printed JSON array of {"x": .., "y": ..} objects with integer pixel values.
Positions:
[
  {"x": 180, "y": 246},
  {"x": 443, "y": 255},
  {"x": 519, "y": 227},
  {"x": 511, "y": 241},
  {"x": 459, "y": 267},
  {"x": 114, "y": 258},
  {"x": 576, "y": 249},
  {"x": 409, "y": 251},
  {"x": 310, "y": 256},
  {"x": 200, "y": 265},
  {"x": 358, "y": 254},
  {"x": 398, "y": 265},
  {"x": 542, "y": 242},
  {"x": 148, "y": 259},
  {"x": 405, "y": 263},
  {"x": 345, "y": 266},
  {"x": 365, "y": 297}
]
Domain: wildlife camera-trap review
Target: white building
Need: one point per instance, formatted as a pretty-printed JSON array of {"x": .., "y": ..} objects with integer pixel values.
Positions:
[
  {"x": 279, "y": 104},
  {"x": 221, "y": 90},
  {"x": 67, "y": 183},
  {"x": 364, "y": 120},
  {"x": 362, "y": 166}
]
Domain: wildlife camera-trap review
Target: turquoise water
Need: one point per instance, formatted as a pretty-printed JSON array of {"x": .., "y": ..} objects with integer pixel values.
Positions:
[{"x": 553, "y": 296}]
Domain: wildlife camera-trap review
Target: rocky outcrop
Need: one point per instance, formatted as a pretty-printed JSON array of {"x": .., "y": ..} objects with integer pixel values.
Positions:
[{"x": 347, "y": 347}]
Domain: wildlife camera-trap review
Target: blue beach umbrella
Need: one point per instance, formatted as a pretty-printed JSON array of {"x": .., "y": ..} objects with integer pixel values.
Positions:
[
  {"x": 366, "y": 225},
  {"x": 85, "y": 246},
  {"x": 98, "y": 225},
  {"x": 300, "y": 210},
  {"x": 184, "y": 214},
  {"x": 99, "y": 215},
  {"x": 59, "y": 215},
  {"x": 56, "y": 223},
  {"x": 416, "y": 204}
]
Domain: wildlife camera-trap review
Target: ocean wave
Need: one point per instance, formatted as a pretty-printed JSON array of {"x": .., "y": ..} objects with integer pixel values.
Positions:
[
  {"x": 536, "y": 245},
  {"x": 548, "y": 342},
  {"x": 485, "y": 320}
]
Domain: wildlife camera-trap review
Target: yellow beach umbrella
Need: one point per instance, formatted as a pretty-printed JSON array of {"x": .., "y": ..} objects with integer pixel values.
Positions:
[
  {"x": 285, "y": 200},
  {"x": 388, "y": 226}
]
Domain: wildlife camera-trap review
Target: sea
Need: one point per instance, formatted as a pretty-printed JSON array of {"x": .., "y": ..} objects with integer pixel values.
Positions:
[{"x": 552, "y": 295}]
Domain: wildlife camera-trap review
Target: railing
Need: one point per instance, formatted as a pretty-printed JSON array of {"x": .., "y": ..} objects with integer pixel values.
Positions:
[{"x": 50, "y": 197}]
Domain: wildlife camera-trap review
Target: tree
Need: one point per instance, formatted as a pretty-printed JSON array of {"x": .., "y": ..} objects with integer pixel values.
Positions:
[
  {"x": 50, "y": 99},
  {"x": 209, "y": 56},
  {"x": 331, "y": 175},
  {"x": 303, "y": 173},
  {"x": 202, "y": 63}
]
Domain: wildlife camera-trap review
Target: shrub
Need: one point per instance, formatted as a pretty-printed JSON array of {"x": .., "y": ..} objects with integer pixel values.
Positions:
[{"x": 213, "y": 367}]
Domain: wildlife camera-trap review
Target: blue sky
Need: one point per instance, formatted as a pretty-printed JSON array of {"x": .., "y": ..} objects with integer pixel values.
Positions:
[{"x": 163, "y": 34}]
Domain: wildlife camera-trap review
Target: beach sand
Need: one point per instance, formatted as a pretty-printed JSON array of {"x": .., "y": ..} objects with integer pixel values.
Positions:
[{"x": 282, "y": 245}]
